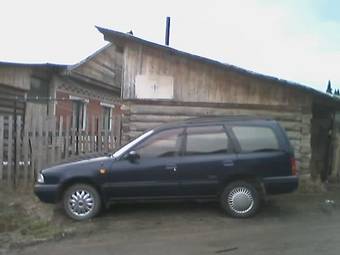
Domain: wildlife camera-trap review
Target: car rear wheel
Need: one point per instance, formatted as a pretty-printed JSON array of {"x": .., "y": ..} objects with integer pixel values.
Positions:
[
  {"x": 240, "y": 199},
  {"x": 81, "y": 202}
]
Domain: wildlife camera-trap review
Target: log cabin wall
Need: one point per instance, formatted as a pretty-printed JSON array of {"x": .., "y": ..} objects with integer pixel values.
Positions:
[{"x": 202, "y": 89}]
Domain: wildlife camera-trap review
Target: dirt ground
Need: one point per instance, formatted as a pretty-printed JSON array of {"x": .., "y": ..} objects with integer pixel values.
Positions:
[{"x": 287, "y": 224}]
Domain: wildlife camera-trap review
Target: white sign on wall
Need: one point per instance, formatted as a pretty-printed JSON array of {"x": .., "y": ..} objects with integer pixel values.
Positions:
[{"x": 154, "y": 87}]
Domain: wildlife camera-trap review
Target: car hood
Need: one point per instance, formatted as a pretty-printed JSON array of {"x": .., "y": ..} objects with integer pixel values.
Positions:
[{"x": 80, "y": 162}]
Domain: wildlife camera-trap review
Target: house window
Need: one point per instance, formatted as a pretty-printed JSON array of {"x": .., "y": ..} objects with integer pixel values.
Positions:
[
  {"x": 79, "y": 112},
  {"x": 107, "y": 115}
]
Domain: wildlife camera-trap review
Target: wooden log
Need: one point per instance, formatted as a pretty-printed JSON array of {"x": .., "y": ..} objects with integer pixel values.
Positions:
[{"x": 204, "y": 111}]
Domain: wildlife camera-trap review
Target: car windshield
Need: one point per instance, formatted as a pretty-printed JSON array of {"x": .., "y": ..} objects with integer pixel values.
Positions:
[{"x": 126, "y": 147}]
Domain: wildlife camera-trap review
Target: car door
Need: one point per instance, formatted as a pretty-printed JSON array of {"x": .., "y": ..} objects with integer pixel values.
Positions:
[
  {"x": 154, "y": 174},
  {"x": 260, "y": 149},
  {"x": 207, "y": 159}
]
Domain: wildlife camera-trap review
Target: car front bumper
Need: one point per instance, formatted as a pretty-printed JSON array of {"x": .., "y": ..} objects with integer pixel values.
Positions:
[{"x": 47, "y": 193}]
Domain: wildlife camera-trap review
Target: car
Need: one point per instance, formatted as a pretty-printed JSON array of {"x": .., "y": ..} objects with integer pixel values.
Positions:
[{"x": 236, "y": 160}]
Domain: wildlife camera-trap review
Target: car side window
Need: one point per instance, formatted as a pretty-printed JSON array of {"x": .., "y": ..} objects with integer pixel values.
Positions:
[
  {"x": 206, "y": 140},
  {"x": 256, "y": 138},
  {"x": 163, "y": 144}
]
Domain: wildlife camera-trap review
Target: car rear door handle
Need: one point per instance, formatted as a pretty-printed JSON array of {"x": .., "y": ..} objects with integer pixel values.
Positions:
[
  {"x": 228, "y": 163},
  {"x": 171, "y": 168}
]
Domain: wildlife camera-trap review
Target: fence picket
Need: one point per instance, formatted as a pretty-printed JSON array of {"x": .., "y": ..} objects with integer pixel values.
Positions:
[
  {"x": 1, "y": 146},
  {"x": 99, "y": 139},
  {"x": 53, "y": 138},
  {"x": 9, "y": 151},
  {"x": 40, "y": 140},
  {"x": 67, "y": 137},
  {"x": 60, "y": 140},
  {"x": 25, "y": 153},
  {"x": 17, "y": 172},
  {"x": 92, "y": 134}
]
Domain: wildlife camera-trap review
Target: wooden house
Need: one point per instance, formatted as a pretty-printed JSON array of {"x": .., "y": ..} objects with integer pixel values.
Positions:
[
  {"x": 161, "y": 84},
  {"x": 90, "y": 88}
]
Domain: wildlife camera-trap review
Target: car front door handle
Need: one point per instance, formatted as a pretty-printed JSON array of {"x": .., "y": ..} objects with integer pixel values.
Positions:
[
  {"x": 228, "y": 163},
  {"x": 172, "y": 168}
]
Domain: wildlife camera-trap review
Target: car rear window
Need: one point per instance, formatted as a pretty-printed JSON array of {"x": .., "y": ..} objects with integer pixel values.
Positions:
[
  {"x": 206, "y": 140},
  {"x": 255, "y": 138}
]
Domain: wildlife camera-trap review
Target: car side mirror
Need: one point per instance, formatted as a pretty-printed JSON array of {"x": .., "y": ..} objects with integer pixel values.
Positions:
[{"x": 132, "y": 156}]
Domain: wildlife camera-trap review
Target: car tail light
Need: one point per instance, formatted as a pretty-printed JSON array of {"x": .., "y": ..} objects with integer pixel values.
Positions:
[{"x": 293, "y": 166}]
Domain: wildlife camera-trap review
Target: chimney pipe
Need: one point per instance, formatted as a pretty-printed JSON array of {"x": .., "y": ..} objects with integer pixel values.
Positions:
[{"x": 167, "y": 32}]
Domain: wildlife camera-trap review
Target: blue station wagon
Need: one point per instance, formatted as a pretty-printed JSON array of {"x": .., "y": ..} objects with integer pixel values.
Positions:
[{"x": 233, "y": 160}]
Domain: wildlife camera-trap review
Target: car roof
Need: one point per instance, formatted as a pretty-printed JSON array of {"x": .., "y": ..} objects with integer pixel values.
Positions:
[{"x": 213, "y": 120}]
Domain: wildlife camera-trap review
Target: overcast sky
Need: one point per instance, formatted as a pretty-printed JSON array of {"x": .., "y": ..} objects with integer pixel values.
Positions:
[{"x": 296, "y": 40}]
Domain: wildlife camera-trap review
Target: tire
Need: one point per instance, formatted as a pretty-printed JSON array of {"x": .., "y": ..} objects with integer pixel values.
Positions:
[
  {"x": 240, "y": 199},
  {"x": 81, "y": 202}
]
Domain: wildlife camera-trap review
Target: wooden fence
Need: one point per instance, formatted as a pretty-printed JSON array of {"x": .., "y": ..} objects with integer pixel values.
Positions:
[{"x": 26, "y": 148}]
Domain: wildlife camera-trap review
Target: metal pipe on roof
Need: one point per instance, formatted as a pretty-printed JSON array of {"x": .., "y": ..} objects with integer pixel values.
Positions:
[{"x": 167, "y": 31}]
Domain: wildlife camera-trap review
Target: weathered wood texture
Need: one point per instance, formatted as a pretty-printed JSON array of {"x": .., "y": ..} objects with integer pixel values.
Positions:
[
  {"x": 196, "y": 81},
  {"x": 140, "y": 117},
  {"x": 8, "y": 100},
  {"x": 17, "y": 77},
  {"x": 104, "y": 67},
  {"x": 42, "y": 141}
]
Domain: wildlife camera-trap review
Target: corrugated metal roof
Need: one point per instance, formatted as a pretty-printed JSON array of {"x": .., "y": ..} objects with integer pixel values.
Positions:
[{"x": 111, "y": 35}]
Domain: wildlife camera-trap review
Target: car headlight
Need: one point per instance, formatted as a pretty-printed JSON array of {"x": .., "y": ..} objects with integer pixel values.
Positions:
[{"x": 40, "y": 178}]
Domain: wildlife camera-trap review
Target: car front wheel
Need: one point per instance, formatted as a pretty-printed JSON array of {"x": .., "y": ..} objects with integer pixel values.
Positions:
[
  {"x": 240, "y": 199},
  {"x": 81, "y": 202}
]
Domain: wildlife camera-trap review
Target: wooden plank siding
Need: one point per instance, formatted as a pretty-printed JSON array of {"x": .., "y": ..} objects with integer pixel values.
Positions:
[
  {"x": 196, "y": 81},
  {"x": 104, "y": 68},
  {"x": 139, "y": 117}
]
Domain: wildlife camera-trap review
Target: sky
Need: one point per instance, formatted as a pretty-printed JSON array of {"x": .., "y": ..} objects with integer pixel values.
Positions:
[{"x": 295, "y": 40}]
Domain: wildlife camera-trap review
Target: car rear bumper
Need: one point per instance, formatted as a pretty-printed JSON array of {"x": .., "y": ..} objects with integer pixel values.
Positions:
[
  {"x": 47, "y": 193},
  {"x": 278, "y": 185}
]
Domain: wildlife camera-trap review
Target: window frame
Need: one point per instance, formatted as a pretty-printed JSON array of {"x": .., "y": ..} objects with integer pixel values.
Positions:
[
  {"x": 230, "y": 145},
  {"x": 236, "y": 142},
  {"x": 140, "y": 143},
  {"x": 109, "y": 119}
]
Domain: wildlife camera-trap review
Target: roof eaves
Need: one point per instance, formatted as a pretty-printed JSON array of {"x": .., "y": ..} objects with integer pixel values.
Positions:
[{"x": 18, "y": 64}]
